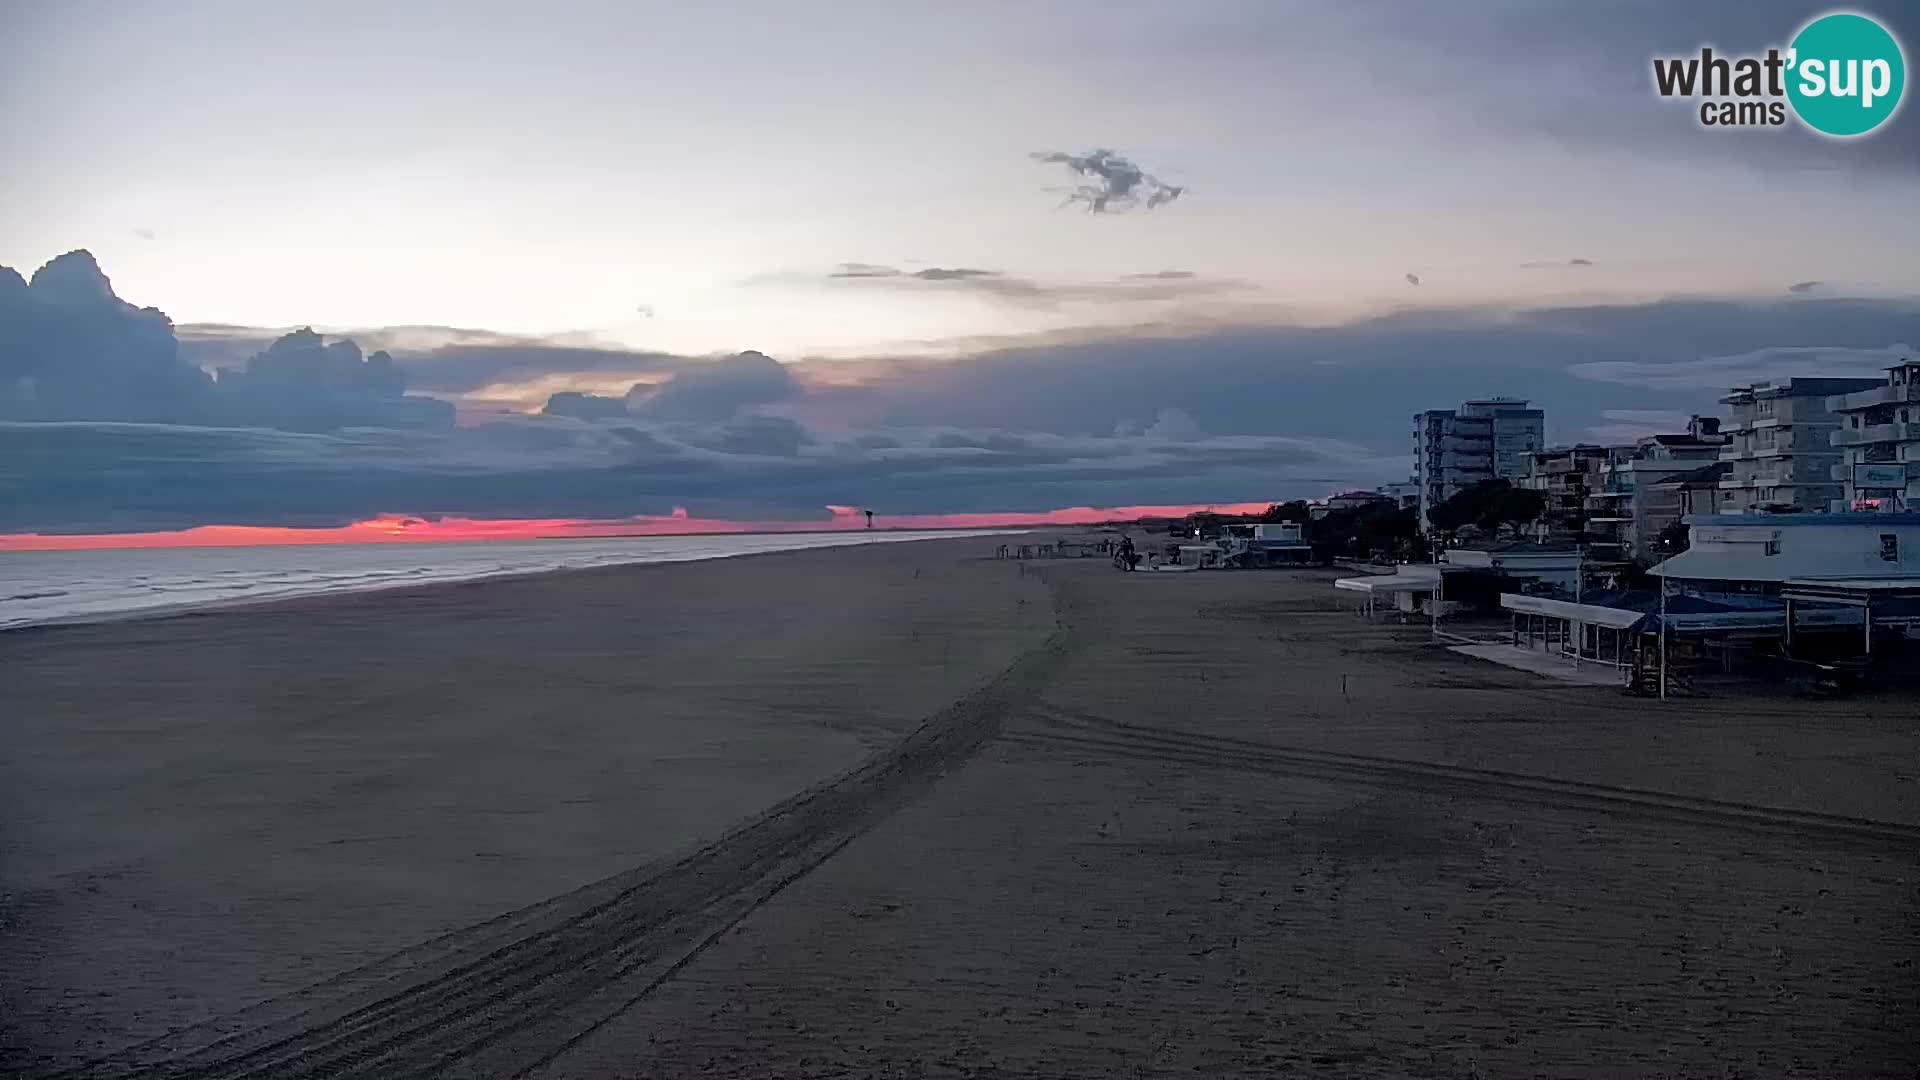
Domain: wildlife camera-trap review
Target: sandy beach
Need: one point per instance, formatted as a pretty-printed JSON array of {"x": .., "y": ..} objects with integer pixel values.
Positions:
[{"x": 908, "y": 810}]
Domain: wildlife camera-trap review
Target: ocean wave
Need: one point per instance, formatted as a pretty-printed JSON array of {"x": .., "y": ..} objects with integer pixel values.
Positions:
[{"x": 46, "y": 594}]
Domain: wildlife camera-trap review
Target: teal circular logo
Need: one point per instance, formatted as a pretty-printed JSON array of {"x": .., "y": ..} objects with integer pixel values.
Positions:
[{"x": 1845, "y": 73}]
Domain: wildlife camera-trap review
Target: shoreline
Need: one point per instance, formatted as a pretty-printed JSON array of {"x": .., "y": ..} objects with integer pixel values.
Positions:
[{"x": 193, "y": 607}]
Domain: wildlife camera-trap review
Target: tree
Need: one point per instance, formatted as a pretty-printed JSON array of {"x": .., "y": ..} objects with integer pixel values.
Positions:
[
  {"x": 1490, "y": 505},
  {"x": 1359, "y": 532},
  {"x": 1675, "y": 538},
  {"x": 1290, "y": 511},
  {"x": 1513, "y": 507}
]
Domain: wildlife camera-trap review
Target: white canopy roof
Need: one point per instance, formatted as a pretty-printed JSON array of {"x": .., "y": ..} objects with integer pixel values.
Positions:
[
  {"x": 1388, "y": 583},
  {"x": 1591, "y": 614}
]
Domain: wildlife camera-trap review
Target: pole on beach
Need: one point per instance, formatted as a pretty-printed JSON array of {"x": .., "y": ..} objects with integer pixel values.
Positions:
[
  {"x": 1439, "y": 584},
  {"x": 1663, "y": 638}
]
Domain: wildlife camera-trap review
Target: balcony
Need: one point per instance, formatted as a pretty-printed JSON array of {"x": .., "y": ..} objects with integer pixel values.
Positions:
[
  {"x": 1876, "y": 433},
  {"x": 1879, "y": 395},
  {"x": 1785, "y": 479}
]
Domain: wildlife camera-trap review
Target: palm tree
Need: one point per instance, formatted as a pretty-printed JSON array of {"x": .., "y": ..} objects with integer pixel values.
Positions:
[{"x": 869, "y": 514}]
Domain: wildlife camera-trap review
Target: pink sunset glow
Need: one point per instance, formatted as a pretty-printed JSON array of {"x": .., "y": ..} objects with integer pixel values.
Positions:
[{"x": 397, "y": 528}]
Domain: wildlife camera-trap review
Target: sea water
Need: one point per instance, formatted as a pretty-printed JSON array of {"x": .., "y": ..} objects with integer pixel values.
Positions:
[{"x": 40, "y": 587}]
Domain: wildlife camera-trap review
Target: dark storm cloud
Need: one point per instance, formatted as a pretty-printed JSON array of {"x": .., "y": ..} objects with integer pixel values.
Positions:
[
  {"x": 1155, "y": 414},
  {"x": 70, "y": 349},
  {"x": 302, "y": 382},
  {"x": 65, "y": 477},
  {"x": 1114, "y": 182},
  {"x": 584, "y": 406},
  {"x": 753, "y": 436},
  {"x": 1803, "y": 286},
  {"x": 1362, "y": 380},
  {"x": 715, "y": 390}
]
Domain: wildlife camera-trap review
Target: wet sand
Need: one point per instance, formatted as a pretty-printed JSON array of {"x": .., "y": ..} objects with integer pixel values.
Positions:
[{"x": 1196, "y": 824}]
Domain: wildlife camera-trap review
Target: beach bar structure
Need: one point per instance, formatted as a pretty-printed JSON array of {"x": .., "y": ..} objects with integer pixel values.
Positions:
[
  {"x": 1581, "y": 632},
  {"x": 1471, "y": 575},
  {"x": 1410, "y": 589},
  {"x": 1892, "y": 602}
]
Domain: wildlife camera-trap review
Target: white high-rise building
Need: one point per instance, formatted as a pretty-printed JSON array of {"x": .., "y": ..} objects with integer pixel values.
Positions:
[
  {"x": 1782, "y": 449},
  {"x": 1453, "y": 449},
  {"x": 1879, "y": 443}
]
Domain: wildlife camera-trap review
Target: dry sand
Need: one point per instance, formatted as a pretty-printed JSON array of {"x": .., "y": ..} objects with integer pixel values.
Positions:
[{"x": 1207, "y": 825}]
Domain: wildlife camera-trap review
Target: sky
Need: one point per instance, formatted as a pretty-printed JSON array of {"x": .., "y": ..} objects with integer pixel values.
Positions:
[{"x": 781, "y": 257}]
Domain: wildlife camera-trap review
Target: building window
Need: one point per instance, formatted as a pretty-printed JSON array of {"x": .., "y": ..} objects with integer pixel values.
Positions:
[{"x": 1890, "y": 547}]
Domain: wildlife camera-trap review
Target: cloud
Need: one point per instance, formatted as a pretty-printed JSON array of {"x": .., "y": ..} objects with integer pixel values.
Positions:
[
  {"x": 1627, "y": 425},
  {"x": 1721, "y": 372},
  {"x": 756, "y": 436},
  {"x": 584, "y": 406},
  {"x": 1361, "y": 380},
  {"x": 864, "y": 270},
  {"x": 70, "y": 349},
  {"x": 1565, "y": 265},
  {"x": 715, "y": 391},
  {"x": 1026, "y": 292},
  {"x": 1175, "y": 425},
  {"x": 1413, "y": 279},
  {"x": 454, "y": 360},
  {"x": 1803, "y": 286},
  {"x": 1148, "y": 412},
  {"x": 1117, "y": 183},
  {"x": 69, "y": 477},
  {"x": 1557, "y": 71},
  {"x": 938, "y": 274},
  {"x": 302, "y": 382}
]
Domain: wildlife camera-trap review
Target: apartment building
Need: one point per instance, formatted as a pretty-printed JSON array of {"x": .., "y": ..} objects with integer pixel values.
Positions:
[
  {"x": 1566, "y": 476},
  {"x": 1453, "y": 449},
  {"x": 1878, "y": 438},
  {"x": 1781, "y": 445},
  {"x": 1633, "y": 502},
  {"x": 1405, "y": 494}
]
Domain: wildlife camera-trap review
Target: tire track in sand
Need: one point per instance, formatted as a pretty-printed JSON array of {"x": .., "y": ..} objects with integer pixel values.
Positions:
[
  {"x": 1072, "y": 729},
  {"x": 504, "y": 997}
]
